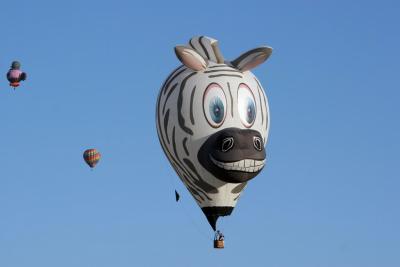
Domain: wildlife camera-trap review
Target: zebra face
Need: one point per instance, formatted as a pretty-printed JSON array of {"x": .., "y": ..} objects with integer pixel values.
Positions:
[
  {"x": 234, "y": 124},
  {"x": 212, "y": 122}
]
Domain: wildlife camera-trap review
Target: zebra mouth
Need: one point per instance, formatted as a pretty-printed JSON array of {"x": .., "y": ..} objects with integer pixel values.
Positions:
[
  {"x": 244, "y": 165},
  {"x": 232, "y": 155}
]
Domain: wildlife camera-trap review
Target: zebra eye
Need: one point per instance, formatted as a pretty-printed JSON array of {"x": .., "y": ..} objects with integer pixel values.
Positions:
[
  {"x": 214, "y": 105},
  {"x": 246, "y": 105}
]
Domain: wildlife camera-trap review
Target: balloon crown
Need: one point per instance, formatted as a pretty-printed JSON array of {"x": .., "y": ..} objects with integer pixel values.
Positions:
[{"x": 15, "y": 65}]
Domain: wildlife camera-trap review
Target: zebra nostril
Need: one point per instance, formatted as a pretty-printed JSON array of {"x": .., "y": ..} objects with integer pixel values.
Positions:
[
  {"x": 257, "y": 143},
  {"x": 227, "y": 144}
]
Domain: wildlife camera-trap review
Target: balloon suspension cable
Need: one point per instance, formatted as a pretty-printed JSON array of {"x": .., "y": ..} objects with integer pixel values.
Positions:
[
  {"x": 225, "y": 222},
  {"x": 195, "y": 224},
  {"x": 186, "y": 212}
]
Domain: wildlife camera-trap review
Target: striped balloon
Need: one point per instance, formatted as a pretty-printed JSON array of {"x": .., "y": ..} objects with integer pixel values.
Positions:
[{"x": 91, "y": 157}]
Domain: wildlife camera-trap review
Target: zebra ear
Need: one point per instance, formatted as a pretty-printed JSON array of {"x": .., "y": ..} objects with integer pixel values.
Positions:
[
  {"x": 190, "y": 58},
  {"x": 252, "y": 58}
]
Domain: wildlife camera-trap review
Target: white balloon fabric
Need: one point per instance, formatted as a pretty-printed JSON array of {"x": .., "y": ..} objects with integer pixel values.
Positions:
[{"x": 212, "y": 122}]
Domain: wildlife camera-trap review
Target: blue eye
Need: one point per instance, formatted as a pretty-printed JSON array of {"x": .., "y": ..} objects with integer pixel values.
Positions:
[
  {"x": 214, "y": 105},
  {"x": 217, "y": 109},
  {"x": 246, "y": 105},
  {"x": 251, "y": 111}
]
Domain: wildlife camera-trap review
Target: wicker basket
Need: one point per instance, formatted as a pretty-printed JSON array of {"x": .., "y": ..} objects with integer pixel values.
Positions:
[
  {"x": 14, "y": 84},
  {"x": 218, "y": 243}
]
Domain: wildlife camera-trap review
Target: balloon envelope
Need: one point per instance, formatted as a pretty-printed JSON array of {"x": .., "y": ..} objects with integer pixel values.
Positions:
[
  {"x": 15, "y": 75},
  {"x": 212, "y": 121},
  {"x": 91, "y": 157}
]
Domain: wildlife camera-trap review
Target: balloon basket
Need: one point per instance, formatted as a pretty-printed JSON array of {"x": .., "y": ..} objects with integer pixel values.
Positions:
[
  {"x": 15, "y": 84},
  {"x": 218, "y": 243}
]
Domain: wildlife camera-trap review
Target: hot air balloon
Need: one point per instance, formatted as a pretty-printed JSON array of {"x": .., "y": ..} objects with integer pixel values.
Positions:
[
  {"x": 15, "y": 75},
  {"x": 91, "y": 157},
  {"x": 212, "y": 122}
]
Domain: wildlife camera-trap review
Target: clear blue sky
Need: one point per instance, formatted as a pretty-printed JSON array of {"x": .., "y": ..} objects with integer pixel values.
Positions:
[{"x": 329, "y": 195}]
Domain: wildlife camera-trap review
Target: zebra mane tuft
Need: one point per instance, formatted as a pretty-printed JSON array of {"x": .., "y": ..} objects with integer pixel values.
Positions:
[{"x": 208, "y": 48}]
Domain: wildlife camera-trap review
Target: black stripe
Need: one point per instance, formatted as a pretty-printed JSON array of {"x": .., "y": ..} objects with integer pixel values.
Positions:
[
  {"x": 184, "y": 175},
  {"x": 266, "y": 114},
  {"x": 200, "y": 182},
  {"x": 228, "y": 70},
  {"x": 169, "y": 76},
  {"x": 259, "y": 85},
  {"x": 175, "y": 161},
  {"x": 160, "y": 134},
  {"x": 191, "y": 105},
  {"x": 194, "y": 193},
  {"x": 174, "y": 143},
  {"x": 237, "y": 61},
  {"x": 204, "y": 48},
  {"x": 184, "y": 146},
  {"x": 194, "y": 185},
  {"x": 218, "y": 66},
  {"x": 186, "y": 182},
  {"x": 262, "y": 112},
  {"x": 168, "y": 95},
  {"x": 230, "y": 93},
  {"x": 191, "y": 44},
  {"x": 172, "y": 73},
  {"x": 162, "y": 141},
  {"x": 181, "y": 119},
  {"x": 166, "y": 119},
  {"x": 237, "y": 189},
  {"x": 225, "y": 75},
  {"x": 173, "y": 78},
  {"x": 265, "y": 101},
  {"x": 192, "y": 188}
]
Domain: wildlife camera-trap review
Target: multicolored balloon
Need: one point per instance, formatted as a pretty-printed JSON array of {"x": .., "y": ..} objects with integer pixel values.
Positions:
[
  {"x": 213, "y": 122},
  {"x": 91, "y": 157},
  {"x": 15, "y": 75}
]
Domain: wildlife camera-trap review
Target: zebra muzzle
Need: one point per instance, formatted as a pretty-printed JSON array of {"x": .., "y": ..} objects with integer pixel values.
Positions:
[{"x": 233, "y": 155}]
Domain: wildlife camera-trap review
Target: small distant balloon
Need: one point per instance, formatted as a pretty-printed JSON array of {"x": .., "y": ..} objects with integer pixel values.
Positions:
[
  {"x": 15, "y": 75},
  {"x": 91, "y": 157}
]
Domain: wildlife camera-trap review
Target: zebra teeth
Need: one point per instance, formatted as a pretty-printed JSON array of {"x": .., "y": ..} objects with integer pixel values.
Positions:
[
  {"x": 244, "y": 165},
  {"x": 247, "y": 162}
]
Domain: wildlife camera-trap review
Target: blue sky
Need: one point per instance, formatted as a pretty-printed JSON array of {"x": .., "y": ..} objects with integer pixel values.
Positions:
[{"x": 329, "y": 195}]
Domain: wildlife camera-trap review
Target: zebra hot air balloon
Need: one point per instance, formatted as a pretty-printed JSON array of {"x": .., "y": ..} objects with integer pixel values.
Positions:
[{"x": 213, "y": 122}]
